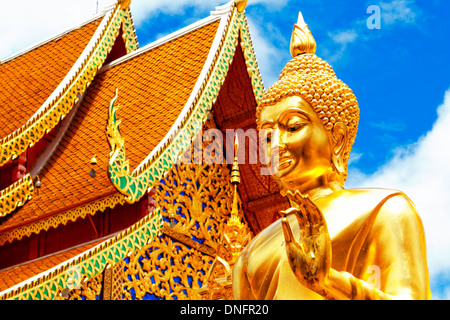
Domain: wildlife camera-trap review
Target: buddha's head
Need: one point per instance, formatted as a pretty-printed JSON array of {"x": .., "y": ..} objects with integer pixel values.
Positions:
[{"x": 312, "y": 115}]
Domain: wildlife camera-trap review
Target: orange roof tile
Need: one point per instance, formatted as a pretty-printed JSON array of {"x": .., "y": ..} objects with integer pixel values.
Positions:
[
  {"x": 28, "y": 80},
  {"x": 153, "y": 88},
  {"x": 11, "y": 276}
]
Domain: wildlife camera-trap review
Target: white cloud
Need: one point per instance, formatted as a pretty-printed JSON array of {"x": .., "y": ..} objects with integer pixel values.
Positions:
[
  {"x": 29, "y": 22},
  {"x": 26, "y": 23},
  {"x": 269, "y": 56},
  {"x": 404, "y": 11},
  {"x": 422, "y": 171},
  {"x": 354, "y": 158},
  {"x": 344, "y": 37},
  {"x": 341, "y": 39}
]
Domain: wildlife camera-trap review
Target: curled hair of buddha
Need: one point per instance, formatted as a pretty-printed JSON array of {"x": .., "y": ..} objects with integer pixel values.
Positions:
[{"x": 313, "y": 79}]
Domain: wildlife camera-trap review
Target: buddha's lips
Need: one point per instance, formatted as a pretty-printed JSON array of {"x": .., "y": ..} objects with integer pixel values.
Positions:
[{"x": 284, "y": 161}]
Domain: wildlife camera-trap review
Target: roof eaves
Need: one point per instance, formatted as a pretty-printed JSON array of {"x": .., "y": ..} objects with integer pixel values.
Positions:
[
  {"x": 16, "y": 195},
  {"x": 55, "y": 219},
  {"x": 36, "y": 278}
]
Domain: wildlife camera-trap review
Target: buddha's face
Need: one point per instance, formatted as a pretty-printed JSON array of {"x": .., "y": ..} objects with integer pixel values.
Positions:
[{"x": 304, "y": 149}]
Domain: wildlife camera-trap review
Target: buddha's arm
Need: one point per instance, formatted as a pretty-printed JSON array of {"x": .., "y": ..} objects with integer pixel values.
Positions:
[
  {"x": 344, "y": 286},
  {"x": 396, "y": 244}
]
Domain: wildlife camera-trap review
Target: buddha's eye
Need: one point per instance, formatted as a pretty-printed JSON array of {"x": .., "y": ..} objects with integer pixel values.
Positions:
[
  {"x": 293, "y": 127},
  {"x": 294, "y": 123}
]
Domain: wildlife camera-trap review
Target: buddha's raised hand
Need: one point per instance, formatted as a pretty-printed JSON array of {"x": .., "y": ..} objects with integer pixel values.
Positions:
[{"x": 310, "y": 256}]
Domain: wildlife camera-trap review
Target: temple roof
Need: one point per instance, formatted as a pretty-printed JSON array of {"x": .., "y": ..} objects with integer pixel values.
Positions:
[
  {"x": 28, "y": 79},
  {"x": 161, "y": 87},
  {"x": 147, "y": 111}
]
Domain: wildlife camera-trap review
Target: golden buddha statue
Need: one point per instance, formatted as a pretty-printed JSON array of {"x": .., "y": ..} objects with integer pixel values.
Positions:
[{"x": 333, "y": 243}]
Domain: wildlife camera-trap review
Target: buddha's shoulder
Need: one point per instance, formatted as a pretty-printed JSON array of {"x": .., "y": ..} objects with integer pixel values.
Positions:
[
  {"x": 368, "y": 193},
  {"x": 360, "y": 205},
  {"x": 369, "y": 198}
]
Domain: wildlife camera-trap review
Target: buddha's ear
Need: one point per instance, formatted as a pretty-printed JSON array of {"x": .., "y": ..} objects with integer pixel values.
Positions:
[{"x": 340, "y": 139}]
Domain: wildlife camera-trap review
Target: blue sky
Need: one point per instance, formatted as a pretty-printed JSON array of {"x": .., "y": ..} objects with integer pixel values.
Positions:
[{"x": 399, "y": 73}]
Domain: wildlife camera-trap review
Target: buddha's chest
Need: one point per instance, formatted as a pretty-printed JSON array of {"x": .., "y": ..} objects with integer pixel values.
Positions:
[{"x": 269, "y": 269}]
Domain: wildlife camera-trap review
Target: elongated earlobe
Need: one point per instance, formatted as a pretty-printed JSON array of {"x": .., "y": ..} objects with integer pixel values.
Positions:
[{"x": 340, "y": 140}]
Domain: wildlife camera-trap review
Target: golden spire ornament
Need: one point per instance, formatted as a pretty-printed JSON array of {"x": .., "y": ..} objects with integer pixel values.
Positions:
[
  {"x": 235, "y": 233},
  {"x": 124, "y": 4},
  {"x": 302, "y": 40}
]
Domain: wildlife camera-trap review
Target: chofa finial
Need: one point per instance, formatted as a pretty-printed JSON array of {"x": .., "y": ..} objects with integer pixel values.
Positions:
[
  {"x": 302, "y": 40},
  {"x": 240, "y": 4},
  {"x": 124, "y": 4}
]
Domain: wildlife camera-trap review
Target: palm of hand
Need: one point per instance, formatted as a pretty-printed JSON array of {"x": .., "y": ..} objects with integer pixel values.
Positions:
[{"x": 310, "y": 256}]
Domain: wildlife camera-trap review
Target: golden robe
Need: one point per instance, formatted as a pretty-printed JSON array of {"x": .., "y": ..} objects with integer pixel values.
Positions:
[{"x": 376, "y": 235}]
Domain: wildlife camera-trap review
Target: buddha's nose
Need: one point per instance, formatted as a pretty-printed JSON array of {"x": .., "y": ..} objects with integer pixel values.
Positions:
[
  {"x": 275, "y": 137},
  {"x": 278, "y": 145},
  {"x": 279, "y": 140}
]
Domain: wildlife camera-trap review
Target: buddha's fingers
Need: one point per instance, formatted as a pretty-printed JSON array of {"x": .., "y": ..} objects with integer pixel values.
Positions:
[
  {"x": 305, "y": 206},
  {"x": 299, "y": 214},
  {"x": 289, "y": 236},
  {"x": 287, "y": 231},
  {"x": 316, "y": 217}
]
